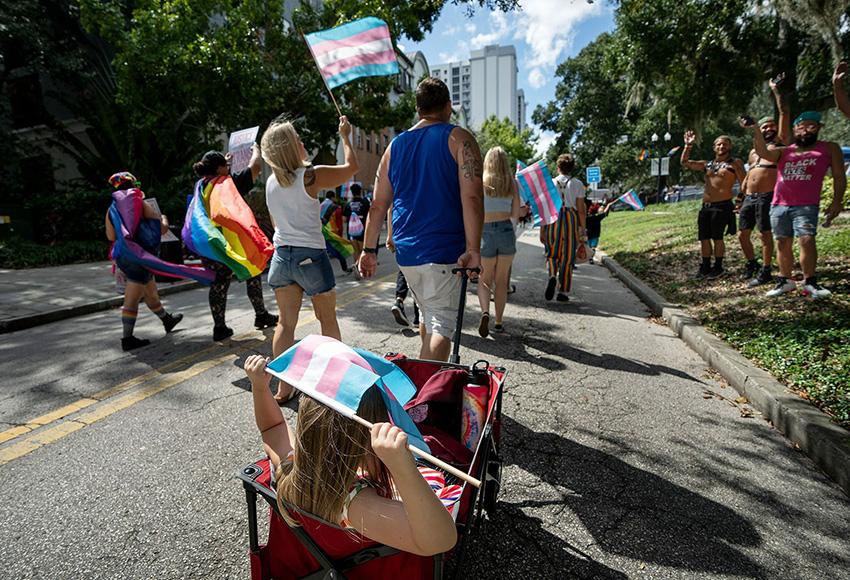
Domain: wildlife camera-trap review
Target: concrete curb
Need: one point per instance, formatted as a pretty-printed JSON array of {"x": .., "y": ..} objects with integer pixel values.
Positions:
[
  {"x": 31, "y": 320},
  {"x": 827, "y": 444}
]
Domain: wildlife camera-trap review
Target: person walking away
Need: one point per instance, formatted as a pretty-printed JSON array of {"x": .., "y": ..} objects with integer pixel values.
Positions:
[
  {"x": 214, "y": 164},
  {"x": 355, "y": 214},
  {"x": 330, "y": 213},
  {"x": 140, "y": 284},
  {"x": 431, "y": 177},
  {"x": 401, "y": 287},
  {"x": 300, "y": 263},
  {"x": 717, "y": 215},
  {"x": 596, "y": 212},
  {"x": 757, "y": 190},
  {"x": 498, "y": 239},
  {"x": 561, "y": 238},
  {"x": 801, "y": 168}
]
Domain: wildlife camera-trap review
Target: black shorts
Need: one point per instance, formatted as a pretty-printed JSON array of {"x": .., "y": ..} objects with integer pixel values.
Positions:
[
  {"x": 755, "y": 212},
  {"x": 715, "y": 220}
]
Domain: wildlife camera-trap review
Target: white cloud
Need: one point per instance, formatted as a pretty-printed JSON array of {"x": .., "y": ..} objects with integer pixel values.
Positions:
[
  {"x": 548, "y": 27},
  {"x": 536, "y": 78},
  {"x": 546, "y": 138},
  {"x": 470, "y": 27},
  {"x": 451, "y": 30},
  {"x": 446, "y": 57},
  {"x": 498, "y": 30}
]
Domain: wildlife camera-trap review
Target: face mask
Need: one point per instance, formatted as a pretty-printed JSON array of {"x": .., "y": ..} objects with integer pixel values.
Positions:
[
  {"x": 806, "y": 140},
  {"x": 769, "y": 135}
]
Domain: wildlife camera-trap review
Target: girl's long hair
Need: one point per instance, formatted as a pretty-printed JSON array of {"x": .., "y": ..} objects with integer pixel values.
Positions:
[
  {"x": 331, "y": 452},
  {"x": 281, "y": 150},
  {"x": 497, "y": 173}
]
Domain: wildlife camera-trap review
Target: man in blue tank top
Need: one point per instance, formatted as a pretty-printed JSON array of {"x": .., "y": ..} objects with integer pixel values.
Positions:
[{"x": 431, "y": 177}]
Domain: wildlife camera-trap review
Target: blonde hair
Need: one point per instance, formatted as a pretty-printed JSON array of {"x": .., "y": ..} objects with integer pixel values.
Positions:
[
  {"x": 497, "y": 173},
  {"x": 331, "y": 452},
  {"x": 281, "y": 151}
]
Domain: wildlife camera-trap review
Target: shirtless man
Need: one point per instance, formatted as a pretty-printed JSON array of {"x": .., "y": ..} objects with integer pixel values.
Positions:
[
  {"x": 757, "y": 193},
  {"x": 796, "y": 198},
  {"x": 717, "y": 215}
]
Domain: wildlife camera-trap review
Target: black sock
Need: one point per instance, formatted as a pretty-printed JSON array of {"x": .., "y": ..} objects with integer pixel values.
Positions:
[
  {"x": 706, "y": 264},
  {"x": 718, "y": 263},
  {"x": 813, "y": 280}
]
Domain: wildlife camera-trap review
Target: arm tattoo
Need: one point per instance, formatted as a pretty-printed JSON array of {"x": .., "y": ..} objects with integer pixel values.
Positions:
[
  {"x": 309, "y": 176},
  {"x": 471, "y": 166}
]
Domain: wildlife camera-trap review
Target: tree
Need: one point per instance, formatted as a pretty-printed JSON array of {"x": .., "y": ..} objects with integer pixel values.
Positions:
[
  {"x": 821, "y": 19},
  {"x": 519, "y": 145}
]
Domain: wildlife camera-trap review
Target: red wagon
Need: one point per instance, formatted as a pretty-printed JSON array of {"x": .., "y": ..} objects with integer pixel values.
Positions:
[{"x": 317, "y": 549}]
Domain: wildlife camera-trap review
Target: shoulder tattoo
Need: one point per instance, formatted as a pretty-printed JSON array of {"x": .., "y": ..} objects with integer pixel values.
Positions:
[
  {"x": 471, "y": 166},
  {"x": 310, "y": 176}
]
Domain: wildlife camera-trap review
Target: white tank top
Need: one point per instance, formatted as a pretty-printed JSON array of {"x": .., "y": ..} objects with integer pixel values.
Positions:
[{"x": 295, "y": 214}]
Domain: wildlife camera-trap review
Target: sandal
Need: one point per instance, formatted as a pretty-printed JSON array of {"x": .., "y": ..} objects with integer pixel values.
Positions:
[{"x": 484, "y": 325}]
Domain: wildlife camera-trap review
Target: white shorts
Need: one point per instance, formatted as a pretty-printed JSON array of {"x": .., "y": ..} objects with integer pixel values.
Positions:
[{"x": 437, "y": 292}]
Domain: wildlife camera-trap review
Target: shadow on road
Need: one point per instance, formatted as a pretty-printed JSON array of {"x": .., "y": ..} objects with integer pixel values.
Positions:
[{"x": 628, "y": 511}]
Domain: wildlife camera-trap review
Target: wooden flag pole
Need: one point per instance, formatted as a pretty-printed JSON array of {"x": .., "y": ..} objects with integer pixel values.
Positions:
[
  {"x": 324, "y": 80},
  {"x": 439, "y": 463}
]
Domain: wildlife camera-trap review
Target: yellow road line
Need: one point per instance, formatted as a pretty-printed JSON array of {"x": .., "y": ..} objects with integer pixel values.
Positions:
[{"x": 59, "y": 431}]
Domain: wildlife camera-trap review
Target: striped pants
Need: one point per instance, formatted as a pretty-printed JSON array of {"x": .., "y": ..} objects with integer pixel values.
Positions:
[{"x": 561, "y": 241}]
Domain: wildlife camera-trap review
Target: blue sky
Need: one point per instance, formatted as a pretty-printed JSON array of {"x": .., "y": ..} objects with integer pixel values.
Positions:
[{"x": 544, "y": 32}]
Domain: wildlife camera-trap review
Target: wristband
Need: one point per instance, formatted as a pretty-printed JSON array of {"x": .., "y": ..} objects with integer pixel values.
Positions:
[{"x": 370, "y": 250}]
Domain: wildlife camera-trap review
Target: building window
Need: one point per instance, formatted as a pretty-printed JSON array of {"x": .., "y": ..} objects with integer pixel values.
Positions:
[
  {"x": 369, "y": 143},
  {"x": 26, "y": 101}
]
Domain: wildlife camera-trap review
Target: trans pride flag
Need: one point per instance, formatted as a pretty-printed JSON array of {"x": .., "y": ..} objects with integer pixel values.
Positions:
[
  {"x": 537, "y": 188},
  {"x": 337, "y": 376},
  {"x": 631, "y": 199},
  {"x": 362, "y": 48}
]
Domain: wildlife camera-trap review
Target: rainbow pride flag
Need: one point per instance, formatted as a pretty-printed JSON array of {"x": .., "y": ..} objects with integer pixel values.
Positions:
[
  {"x": 337, "y": 376},
  {"x": 137, "y": 239},
  {"x": 362, "y": 48},
  {"x": 336, "y": 244},
  {"x": 538, "y": 189},
  {"x": 220, "y": 226}
]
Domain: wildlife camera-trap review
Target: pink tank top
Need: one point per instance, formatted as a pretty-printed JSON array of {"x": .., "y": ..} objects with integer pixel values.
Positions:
[{"x": 800, "y": 175}]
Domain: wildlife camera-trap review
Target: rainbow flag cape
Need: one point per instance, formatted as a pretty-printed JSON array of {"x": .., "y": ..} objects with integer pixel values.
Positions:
[
  {"x": 362, "y": 48},
  {"x": 137, "y": 239},
  {"x": 220, "y": 226},
  {"x": 336, "y": 375},
  {"x": 631, "y": 199},
  {"x": 538, "y": 189},
  {"x": 336, "y": 244}
]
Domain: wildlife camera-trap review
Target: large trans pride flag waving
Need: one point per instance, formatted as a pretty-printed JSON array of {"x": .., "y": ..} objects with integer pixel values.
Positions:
[{"x": 538, "y": 190}]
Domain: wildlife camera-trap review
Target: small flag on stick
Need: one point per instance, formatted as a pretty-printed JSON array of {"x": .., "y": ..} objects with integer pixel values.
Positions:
[
  {"x": 642, "y": 155},
  {"x": 538, "y": 189},
  {"x": 631, "y": 199}
]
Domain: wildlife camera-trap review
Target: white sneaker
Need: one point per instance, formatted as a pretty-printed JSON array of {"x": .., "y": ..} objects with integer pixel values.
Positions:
[
  {"x": 783, "y": 286},
  {"x": 815, "y": 291}
]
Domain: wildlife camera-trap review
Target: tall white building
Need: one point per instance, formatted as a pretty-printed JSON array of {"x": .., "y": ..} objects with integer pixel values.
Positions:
[{"x": 485, "y": 85}]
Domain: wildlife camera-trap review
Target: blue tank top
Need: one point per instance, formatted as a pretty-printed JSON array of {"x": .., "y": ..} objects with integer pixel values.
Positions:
[{"x": 427, "y": 212}]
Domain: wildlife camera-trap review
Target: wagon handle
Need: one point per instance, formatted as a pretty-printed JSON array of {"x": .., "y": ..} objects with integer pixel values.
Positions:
[{"x": 455, "y": 359}]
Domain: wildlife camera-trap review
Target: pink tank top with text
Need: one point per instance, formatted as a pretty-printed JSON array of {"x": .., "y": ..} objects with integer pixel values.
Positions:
[{"x": 800, "y": 175}]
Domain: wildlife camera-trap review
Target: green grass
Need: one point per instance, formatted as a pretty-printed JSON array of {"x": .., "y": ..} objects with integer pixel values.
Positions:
[{"x": 805, "y": 344}]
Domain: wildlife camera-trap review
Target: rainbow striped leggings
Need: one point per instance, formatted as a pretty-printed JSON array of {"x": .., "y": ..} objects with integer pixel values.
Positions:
[{"x": 561, "y": 241}]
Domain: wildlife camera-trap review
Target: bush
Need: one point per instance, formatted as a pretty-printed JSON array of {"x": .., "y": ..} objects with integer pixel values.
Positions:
[
  {"x": 76, "y": 215},
  {"x": 17, "y": 253}
]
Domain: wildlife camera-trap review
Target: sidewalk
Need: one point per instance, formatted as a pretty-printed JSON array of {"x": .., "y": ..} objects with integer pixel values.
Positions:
[{"x": 33, "y": 297}]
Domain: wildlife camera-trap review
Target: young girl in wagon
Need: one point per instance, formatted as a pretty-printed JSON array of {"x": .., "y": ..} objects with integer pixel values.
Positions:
[{"x": 343, "y": 473}]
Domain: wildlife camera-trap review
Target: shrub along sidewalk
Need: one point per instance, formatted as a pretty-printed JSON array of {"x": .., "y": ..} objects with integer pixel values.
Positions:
[{"x": 803, "y": 343}]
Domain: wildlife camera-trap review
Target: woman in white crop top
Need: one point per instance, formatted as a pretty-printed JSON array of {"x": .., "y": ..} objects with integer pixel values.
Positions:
[{"x": 300, "y": 263}]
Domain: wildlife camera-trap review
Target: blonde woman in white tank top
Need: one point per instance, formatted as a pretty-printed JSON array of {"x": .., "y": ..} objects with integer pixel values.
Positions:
[{"x": 300, "y": 263}]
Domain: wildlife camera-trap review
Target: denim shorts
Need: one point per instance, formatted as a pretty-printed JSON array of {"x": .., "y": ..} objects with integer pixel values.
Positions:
[
  {"x": 498, "y": 239},
  {"x": 309, "y": 268},
  {"x": 134, "y": 272},
  {"x": 788, "y": 221}
]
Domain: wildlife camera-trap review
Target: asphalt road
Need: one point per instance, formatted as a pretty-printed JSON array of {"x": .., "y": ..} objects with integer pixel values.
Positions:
[{"x": 625, "y": 457}]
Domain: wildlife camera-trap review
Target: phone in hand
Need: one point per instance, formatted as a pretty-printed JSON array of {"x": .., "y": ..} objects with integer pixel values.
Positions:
[
  {"x": 747, "y": 120},
  {"x": 777, "y": 80}
]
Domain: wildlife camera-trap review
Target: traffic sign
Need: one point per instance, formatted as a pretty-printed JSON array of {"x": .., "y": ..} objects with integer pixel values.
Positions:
[{"x": 594, "y": 174}]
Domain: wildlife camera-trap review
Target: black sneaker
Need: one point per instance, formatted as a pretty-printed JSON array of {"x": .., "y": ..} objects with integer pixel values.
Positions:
[
  {"x": 750, "y": 270},
  {"x": 715, "y": 272},
  {"x": 764, "y": 277},
  {"x": 170, "y": 321},
  {"x": 222, "y": 332},
  {"x": 702, "y": 272},
  {"x": 562, "y": 297},
  {"x": 550, "y": 288},
  {"x": 132, "y": 342},
  {"x": 264, "y": 320},
  {"x": 398, "y": 313}
]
